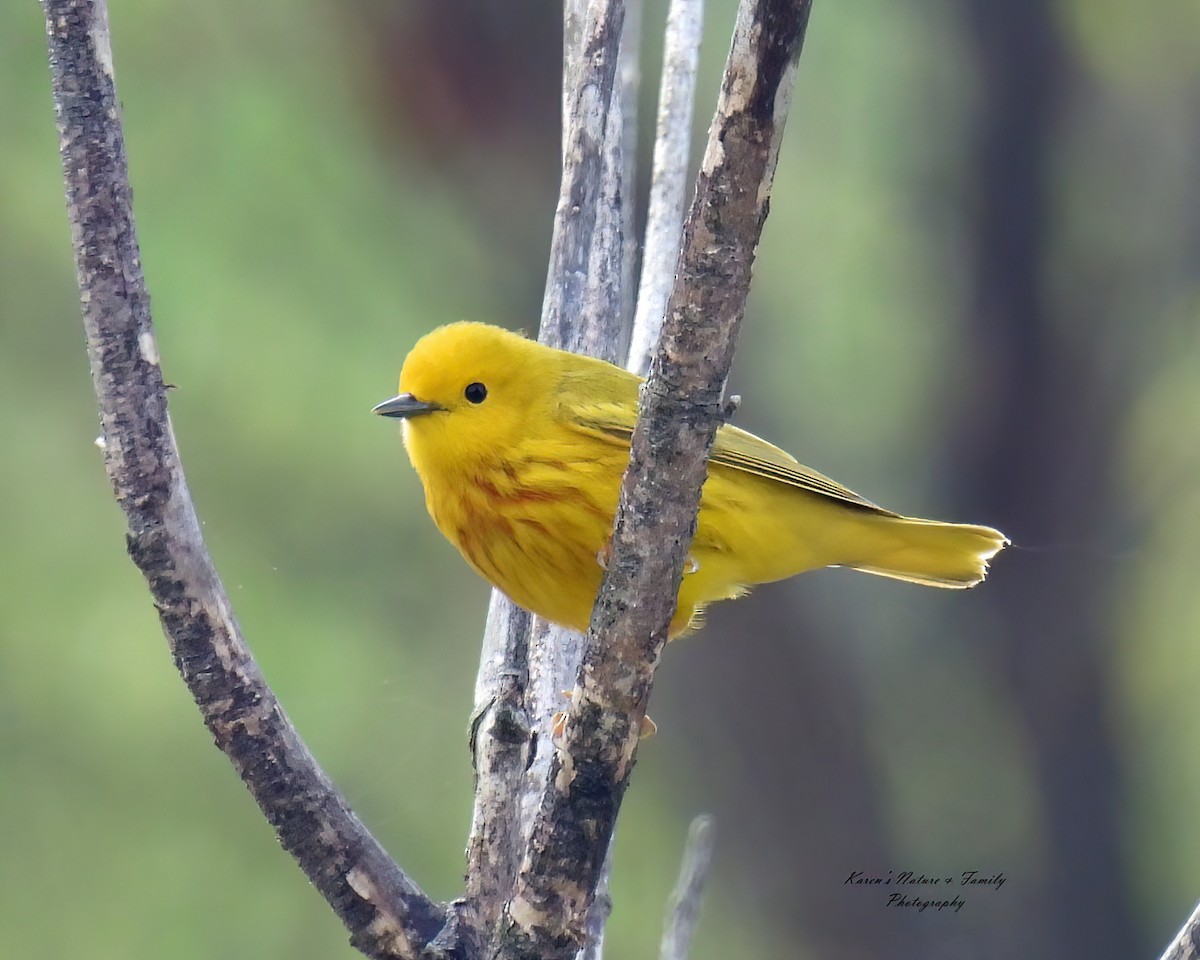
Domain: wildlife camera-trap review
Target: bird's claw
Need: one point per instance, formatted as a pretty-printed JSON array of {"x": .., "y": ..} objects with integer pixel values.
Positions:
[{"x": 558, "y": 723}]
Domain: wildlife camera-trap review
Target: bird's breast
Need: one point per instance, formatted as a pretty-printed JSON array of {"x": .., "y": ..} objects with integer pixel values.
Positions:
[{"x": 533, "y": 527}]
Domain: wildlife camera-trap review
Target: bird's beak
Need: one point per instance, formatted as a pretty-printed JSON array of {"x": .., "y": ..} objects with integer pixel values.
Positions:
[{"x": 404, "y": 405}]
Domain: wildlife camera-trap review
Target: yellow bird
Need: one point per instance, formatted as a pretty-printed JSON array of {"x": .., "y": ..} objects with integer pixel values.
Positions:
[{"x": 521, "y": 449}]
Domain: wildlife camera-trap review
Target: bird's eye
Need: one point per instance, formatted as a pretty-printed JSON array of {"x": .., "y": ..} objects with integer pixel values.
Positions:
[{"x": 475, "y": 392}]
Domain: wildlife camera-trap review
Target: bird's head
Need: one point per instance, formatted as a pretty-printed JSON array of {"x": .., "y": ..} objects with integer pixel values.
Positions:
[{"x": 466, "y": 391}]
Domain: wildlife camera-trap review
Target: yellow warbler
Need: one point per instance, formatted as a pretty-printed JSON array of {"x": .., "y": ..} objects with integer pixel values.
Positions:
[{"x": 521, "y": 449}]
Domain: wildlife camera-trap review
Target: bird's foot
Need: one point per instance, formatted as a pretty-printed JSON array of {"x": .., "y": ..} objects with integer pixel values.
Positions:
[
  {"x": 558, "y": 723},
  {"x": 604, "y": 554}
]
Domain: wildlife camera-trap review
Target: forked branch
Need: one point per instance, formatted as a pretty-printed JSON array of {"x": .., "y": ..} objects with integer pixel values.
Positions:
[
  {"x": 681, "y": 408},
  {"x": 562, "y": 853},
  {"x": 385, "y": 911}
]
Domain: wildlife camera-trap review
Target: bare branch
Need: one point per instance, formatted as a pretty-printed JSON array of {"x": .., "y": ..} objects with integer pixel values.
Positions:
[
  {"x": 551, "y": 904},
  {"x": 583, "y": 287},
  {"x": 681, "y": 409},
  {"x": 386, "y": 913},
  {"x": 526, "y": 663},
  {"x": 668, "y": 183},
  {"x": 501, "y": 740},
  {"x": 597, "y": 916},
  {"x": 1186, "y": 945},
  {"x": 683, "y": 909}
]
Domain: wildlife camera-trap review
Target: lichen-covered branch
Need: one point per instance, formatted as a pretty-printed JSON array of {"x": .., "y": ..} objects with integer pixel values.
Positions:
[
  {"x": 386, "y": 913},
  {"x": 681, "y": 408}
]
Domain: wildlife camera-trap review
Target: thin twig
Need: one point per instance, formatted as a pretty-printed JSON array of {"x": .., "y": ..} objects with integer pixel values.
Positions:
[
  {"x": 386, "y": 913},
  {"x": 669, "y": 179},
  {"x": 681, "y": 409},
  {"x": 683, "y": 909},
  {"x": 629, "y": 81}
]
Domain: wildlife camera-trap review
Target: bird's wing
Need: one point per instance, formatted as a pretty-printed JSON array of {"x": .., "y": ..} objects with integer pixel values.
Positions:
[
  {"x": 744, "y": 451},
  {"x": 733, "y": 448}
]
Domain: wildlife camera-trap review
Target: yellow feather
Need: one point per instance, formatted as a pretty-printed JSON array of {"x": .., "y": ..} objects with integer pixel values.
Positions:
[{"x": 521, "y": 449}]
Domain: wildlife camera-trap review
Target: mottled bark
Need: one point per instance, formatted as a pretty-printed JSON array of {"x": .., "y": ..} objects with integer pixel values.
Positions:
[
  {"x": 387, "y": 915},
  {"x": 526, "y": 662},
  {"x": 680, "y": 412},
  {"x": 552, "y": 909},
  {"x": 669, "y": 178}
]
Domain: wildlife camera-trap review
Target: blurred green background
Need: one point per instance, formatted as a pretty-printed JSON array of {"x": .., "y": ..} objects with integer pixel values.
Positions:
[{"x": 977, "y": 297}]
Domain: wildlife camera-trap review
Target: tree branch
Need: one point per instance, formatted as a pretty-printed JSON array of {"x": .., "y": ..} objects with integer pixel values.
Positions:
[
  {"x": 575, "y": 790},
  {"x": 681, "y": 408},
  {"x": 668, "y": 181},
  {"x": 585, "y": 300},
  {"x": 386, "y": 913},
  {"x": 526, "y": 662},
  {"x": 1186, "y": 945},
  {"x": 683, "y": 910}
]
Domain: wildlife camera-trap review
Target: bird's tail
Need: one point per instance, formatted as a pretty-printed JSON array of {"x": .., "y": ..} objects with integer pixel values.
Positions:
[{"x": 953, "y": 555}]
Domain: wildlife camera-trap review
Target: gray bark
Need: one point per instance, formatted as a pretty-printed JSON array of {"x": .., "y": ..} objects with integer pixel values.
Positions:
[
  {"x": 540, "y": 838},
  {"x": 681, "y": 409},
  {"x": 526, "y": 662},
  {"x": 385, "y": 911}
]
